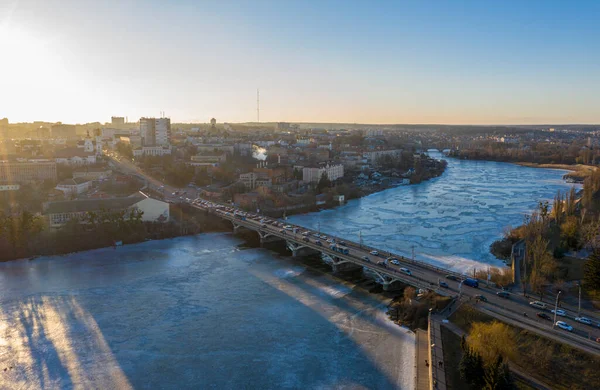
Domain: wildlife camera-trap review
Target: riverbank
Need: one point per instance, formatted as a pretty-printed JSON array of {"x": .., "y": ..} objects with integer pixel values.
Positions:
[{"x": 578, "y": 172}]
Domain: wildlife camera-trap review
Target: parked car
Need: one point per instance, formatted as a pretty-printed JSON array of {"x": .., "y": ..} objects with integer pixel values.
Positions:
[
  {"x": 564, "y": 325},
  {"x": 481, "y": 298},
  {"x": 543, "y": 316},
  {"x": 559, "y": 312},
  {"x": 583, "y": 320},
  {"x": 443, "y": 284},
  {"x": 538, "y": 304},
  {"x": 503, "y": 294}
]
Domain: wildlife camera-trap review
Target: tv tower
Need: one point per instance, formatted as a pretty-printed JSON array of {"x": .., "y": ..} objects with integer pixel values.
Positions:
[{"x": 257, "y": 105}]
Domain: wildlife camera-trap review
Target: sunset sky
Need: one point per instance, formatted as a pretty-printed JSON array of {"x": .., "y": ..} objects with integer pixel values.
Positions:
[{"x": 455, "y": 62}]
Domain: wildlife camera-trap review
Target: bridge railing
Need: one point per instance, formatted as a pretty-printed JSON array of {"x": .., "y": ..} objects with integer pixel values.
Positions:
[{"x": 387, "y": 254}]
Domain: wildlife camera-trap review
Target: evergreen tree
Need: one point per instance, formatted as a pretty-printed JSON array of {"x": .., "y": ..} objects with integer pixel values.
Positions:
[
  {"x": 471, "y": 369},
  {"x": 591, "y": 276},
  {"x": 324, "y": 182},
  {"x": 497, "y": 375}
]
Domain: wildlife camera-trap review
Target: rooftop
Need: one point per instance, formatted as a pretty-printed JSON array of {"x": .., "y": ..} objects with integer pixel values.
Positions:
[{"x": 83, "y": 205}]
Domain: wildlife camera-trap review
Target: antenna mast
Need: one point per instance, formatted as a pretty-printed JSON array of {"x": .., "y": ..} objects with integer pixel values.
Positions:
[{"x": 257, "y": 105}]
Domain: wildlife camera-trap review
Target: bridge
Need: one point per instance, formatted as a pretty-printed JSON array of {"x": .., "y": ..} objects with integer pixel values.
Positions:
[
  {"x": 394, "y": 271},
  {"x": 302, "y": 241}
]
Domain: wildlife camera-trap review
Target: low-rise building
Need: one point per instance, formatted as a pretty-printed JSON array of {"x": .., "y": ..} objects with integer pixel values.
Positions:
[
  {"x": 59, "y": 213},
  {"x": 9, "y": 187},
  {"x": 152, "y": 151},
  {"x": 92, "y": 173},
  {"x": 313, "y": 174},
  {"x": 27, "y": 171},
  {"x": 75, "y": 156},
  {"x": 74, "y": 186},
  {"x": 375, "y": 155}
]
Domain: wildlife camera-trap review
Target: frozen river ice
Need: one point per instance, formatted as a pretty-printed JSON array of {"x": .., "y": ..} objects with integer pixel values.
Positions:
[
  {"x": 450, "y": 220},
  {"x": 192, "y": 312}
]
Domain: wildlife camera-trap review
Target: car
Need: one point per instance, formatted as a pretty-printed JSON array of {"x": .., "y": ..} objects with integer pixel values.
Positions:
[
  {"x": 395, "y": 262},
  {"x": 324, "y": 237},
  {"x": 306, "y": 239},
  {"x": 406, "y": 271},
  {"x": 319, "y": 243},
  {"x": 559, "y": 312},
  {"x": 583, "y": 320},
  {"x": 543, "y": 316},
  {"x": 374, "y": 253},
  {"x": 305, "y": 233},
  {"x": 366, "y": 258},
  {"x": 282, "y": 231},
  {"x": 343, "y": 243},
  {"x": 503, "y": 294},
  {"x": 471, "y": 282},
  {"x": 443, "y": 284},
  {"x": 564, "y": 325},
  {"x": 263, "y": 225},
  {"x": 481, "y": 298},
  {"x": 538, "y": 304},
  {"x": 451, "y": 277}
]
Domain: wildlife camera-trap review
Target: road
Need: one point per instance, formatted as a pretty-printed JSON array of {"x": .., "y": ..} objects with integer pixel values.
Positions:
[{"x": 422, "y": 275}]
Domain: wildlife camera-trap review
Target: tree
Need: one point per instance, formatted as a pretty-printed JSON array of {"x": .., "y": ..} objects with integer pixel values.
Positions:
[
  {"x": 471, "y": 368},
  {"x": 591, "y": 275},
  {"x": 324, "y": 182},
  {"x": 497, "y": 375},
  {"x": 492, "y": 339}
]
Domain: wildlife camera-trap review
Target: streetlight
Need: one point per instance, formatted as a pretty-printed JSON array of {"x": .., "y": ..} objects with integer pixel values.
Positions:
[{"x": 555, "y": 309}]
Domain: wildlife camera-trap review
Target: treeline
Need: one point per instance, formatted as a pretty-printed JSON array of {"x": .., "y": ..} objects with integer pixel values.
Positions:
[
  {"x": 570, "y": 223},
  {"x": 28, "y": 235},
  {"x": 533, "y": 152}
]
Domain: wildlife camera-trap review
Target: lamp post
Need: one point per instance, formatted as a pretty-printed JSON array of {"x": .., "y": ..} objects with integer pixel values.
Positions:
[{"x": 555, "y": 309}]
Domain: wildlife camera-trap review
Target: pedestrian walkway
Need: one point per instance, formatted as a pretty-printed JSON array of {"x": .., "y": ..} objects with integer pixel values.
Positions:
[
  {"x": 422, "y": 382},
  {"x": 438, "y": 371}
]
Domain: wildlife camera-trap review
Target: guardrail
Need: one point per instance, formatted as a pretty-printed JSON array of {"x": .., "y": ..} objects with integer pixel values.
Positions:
[
  {"x": 390, "y": 272},
  {"x": 422, "y": 264}
]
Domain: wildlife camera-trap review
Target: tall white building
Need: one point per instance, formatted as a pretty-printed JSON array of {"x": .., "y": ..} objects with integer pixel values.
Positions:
[
  {"x": 313, "y": 175},
  {"x": 155, "y": 131}
]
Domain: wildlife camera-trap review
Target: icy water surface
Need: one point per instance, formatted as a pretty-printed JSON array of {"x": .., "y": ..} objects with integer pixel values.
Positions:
[
  {"x": 451, "y": 220},
  {"x": 192, "y": 313}
]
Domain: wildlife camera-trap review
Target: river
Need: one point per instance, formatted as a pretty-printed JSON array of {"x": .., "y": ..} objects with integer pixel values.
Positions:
[
  {"x": 449, "y": 221},
  {"x": 193, "y": 312}
]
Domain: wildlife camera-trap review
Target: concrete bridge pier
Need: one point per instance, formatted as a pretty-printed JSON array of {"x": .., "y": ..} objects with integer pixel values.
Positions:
[
  {"x": 299, "y": 250},
  {"x": 267, "y": 237},
  {"x": 340, "y": 265},
  {"x": 393, "y": 285}
]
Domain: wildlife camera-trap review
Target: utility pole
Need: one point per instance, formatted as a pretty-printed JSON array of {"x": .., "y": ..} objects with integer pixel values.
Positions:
[
  {"x": 360, "y": 238},
  {"x": 413, "y": 251},
  {"x": 555, "y": 309},
  {"x": 579, "y": 306}
]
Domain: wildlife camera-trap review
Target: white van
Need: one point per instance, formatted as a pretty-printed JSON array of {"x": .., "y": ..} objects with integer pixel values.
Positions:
[{"x": 538, "y": 304}]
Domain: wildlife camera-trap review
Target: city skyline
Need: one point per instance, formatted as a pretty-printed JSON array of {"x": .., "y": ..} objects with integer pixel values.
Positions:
[{"x": 435, "y": 63}]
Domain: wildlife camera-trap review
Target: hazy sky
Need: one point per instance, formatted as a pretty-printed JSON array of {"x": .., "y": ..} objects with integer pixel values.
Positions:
[{"x": 314, "y": 61}]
